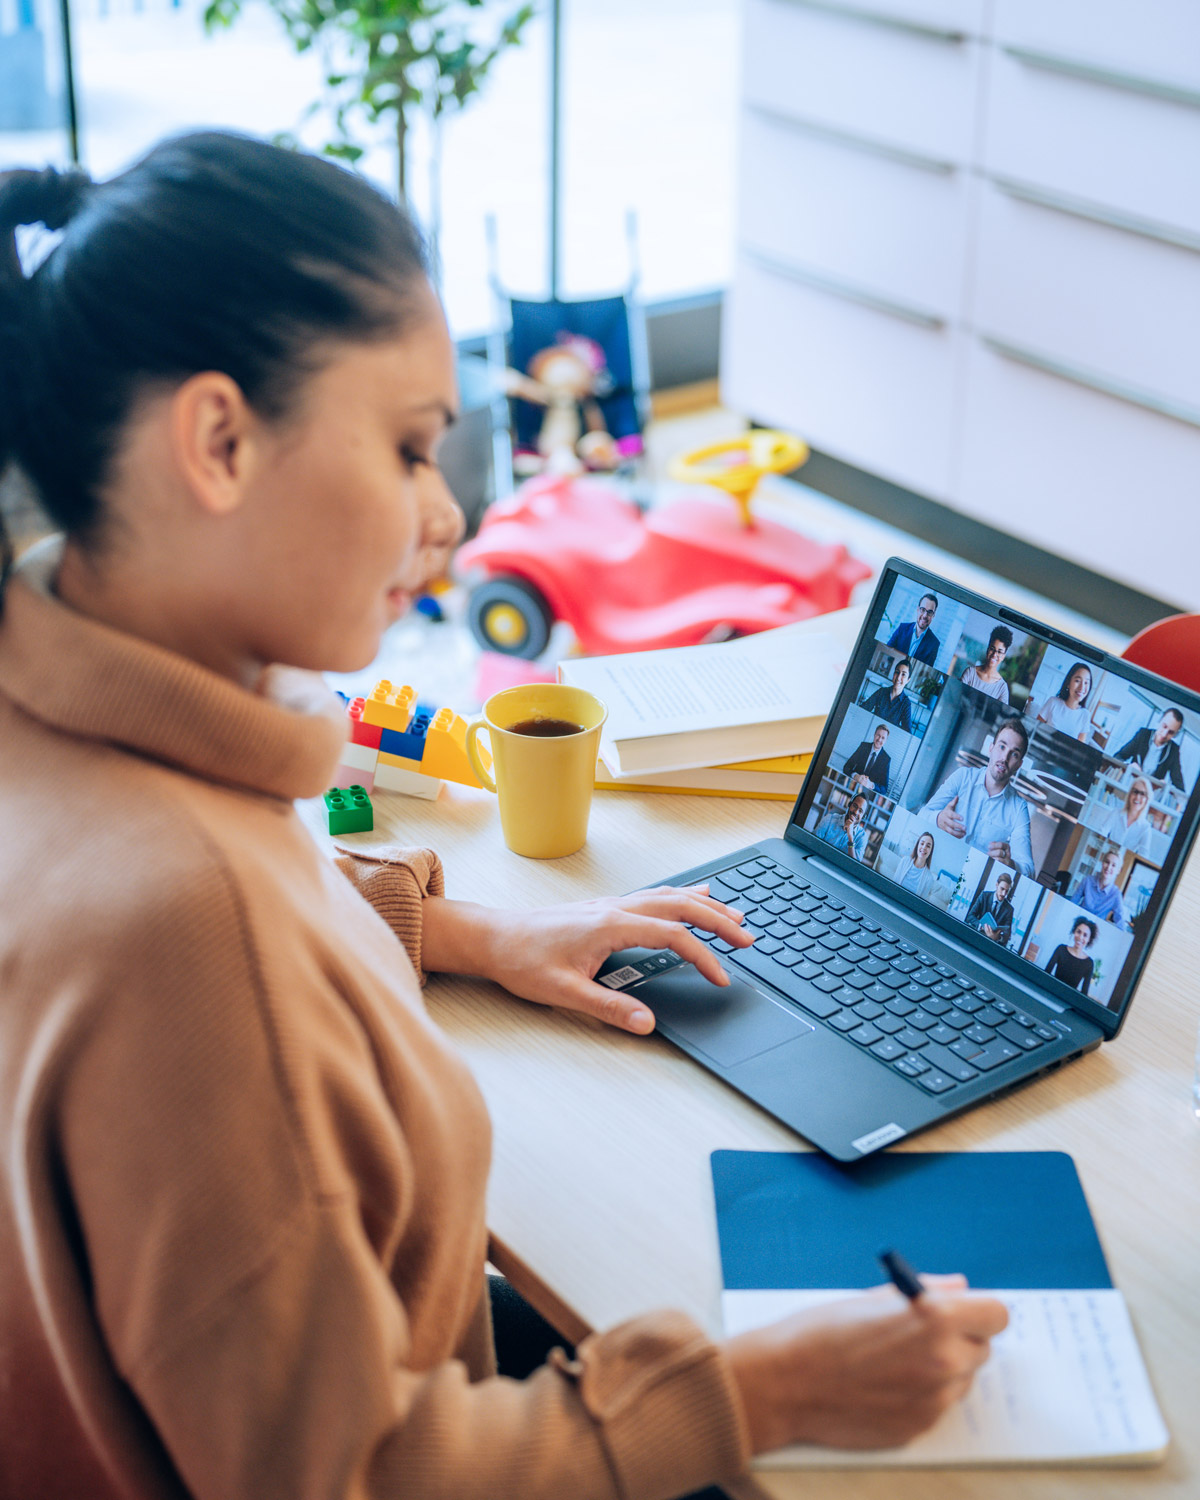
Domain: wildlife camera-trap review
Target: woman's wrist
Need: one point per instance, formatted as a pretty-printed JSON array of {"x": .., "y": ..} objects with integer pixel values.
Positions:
[{"x": 459, "y": 937}]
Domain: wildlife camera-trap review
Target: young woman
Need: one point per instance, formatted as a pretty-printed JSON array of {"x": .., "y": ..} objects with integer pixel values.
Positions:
[
  {"x": 1072, "y": 965},
  {"x": 918, "y": 876},
  {"x": 242, "y": 1212},
  {"x": 986, "y": 677},
  {"x": 891, "y": 704},
  {"x": 1067, "y": 710}
]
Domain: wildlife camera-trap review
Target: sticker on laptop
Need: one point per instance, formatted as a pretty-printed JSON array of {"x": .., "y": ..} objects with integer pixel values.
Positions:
[
  {"x": 619, "y": 978},
  {"x": 881, "y": 1137}
]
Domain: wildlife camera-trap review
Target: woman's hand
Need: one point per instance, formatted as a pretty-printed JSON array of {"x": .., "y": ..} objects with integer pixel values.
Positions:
[
  {"x": 867, "y": 1372},
  {"x": 551, "y": 954}
]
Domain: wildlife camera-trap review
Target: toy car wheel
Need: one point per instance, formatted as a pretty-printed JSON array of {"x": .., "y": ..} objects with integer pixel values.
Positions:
[{"x": 510, "y": 616}]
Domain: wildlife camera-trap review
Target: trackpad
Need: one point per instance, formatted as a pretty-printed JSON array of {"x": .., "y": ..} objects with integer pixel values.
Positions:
[{"x": 728, "y": 1024}]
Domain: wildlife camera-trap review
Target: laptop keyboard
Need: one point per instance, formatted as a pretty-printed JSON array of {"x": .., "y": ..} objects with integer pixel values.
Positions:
[{"x": 903, "y": 1006}]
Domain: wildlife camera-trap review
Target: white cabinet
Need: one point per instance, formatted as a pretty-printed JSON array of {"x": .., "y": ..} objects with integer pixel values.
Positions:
[{"x": 969, "y": 261}]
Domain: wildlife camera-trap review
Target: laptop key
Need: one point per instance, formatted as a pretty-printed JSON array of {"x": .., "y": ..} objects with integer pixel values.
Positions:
[
  {"x": 847, "y": 927},
  {"x": 879, "y": 993},
  {"x": 874, "y": 966},
  {"x": 899, "y": 1007},
  {"x": 837, "y": 905},
  {"x": 779, "y": 929},
  {"x": 943, "y": 1034},
  {"x": 945, "y": 971},
  {"x": 763, "y": 944},
  {"x": 989, "y": 1016},
  {"x": 924, "y": 975},
  {"x": 735, "y": 880},
  {"x": 947, "y": 989},
  {"x": 914, "y": 992},
  {"x": 994, "y": 1054},
  {"x": 1004, "y": 1007},
  {"x": 817, "y": 1004},
  {"x": 847, "y": 997},
  {"x": 886, "y": 951},
  {"x": 832, "y": 940},
  {"x": 968, "y": 1004},
  {"x": 934, "y": 1082},
  {"x": 786, "y": 957},
  {"x": 853, "y": 954},
  {"x": 860, "y": 981},
  {"x": 910, "y": 1040},
  {"x": 1022, "y": 1019},
  {"x": 722, "y": 945},
  {"x": 865, "y": 1035},
  {"x": 814, "y": 929},
  {"x": 905, "y": 965},
  {"x": 1022, "y": 1038},
  {"x": 839, "y": 966},
  {"x": 806, "y": 968},
  {"x": 936, "y": 1007},
  {"x": 980, "y": 1034},
  {"x": 866, "y": 938},
  {"x": 868, "y": 1010},
  {"x": 771, "y": 879},
  {"x": 757, "y": 893},
  {"x": 949, "y": 1062},
  {"x": 922, "y": 1020},
  {"x": 845, "y": 1020},
  {"x": 828, "y": 982},
  {"x": 889, "y": 1048},
  {"x": 870, "y": 926},
  {"x": 912, "y": 1066},
  {"x": 820, "y": 954},
  {"x": 1047, "y": 1033},
  {"x": 889, "y": 1024},
  {"x": 788, "y": 891},
  {"x": 775, "y": 906},
  {"x": 956, "y": 1019}
]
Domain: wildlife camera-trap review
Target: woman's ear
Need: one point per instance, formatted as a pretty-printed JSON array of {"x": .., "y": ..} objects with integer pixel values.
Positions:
[{"x": 212, "y": 438}]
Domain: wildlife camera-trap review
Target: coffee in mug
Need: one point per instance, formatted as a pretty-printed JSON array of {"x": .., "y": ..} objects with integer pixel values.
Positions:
[{"x": 545, "y": 728}]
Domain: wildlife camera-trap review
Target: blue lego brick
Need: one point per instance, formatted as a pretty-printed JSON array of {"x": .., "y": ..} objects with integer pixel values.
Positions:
[{"x": 410, "y": 742}]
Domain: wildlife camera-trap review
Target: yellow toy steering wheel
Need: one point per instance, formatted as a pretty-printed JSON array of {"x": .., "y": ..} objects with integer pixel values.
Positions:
[{"x": 737, "y": 464}]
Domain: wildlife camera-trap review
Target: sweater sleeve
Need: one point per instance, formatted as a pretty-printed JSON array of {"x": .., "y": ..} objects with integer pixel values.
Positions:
[
  {"x": 257, "y": 1216},
  {"x": 395, "y": 881}
]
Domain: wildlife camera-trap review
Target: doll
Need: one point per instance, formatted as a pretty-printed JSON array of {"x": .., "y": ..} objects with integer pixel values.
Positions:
[{"x": 566, "y": 379}]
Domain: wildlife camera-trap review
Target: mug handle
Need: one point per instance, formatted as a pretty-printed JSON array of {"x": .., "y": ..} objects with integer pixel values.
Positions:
[{"x": 473, "y": 753}]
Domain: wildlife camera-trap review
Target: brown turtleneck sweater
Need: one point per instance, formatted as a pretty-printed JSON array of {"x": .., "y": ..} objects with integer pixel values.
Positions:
[{"x": 241, "y": 1172}]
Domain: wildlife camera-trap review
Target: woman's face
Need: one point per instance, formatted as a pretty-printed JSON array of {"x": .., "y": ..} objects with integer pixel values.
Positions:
[
  {"x": 1080, "y": 935},
  {"x": 1137, "y": 800},
  {"x": 360, "y": 517},
  {"x": 996, "y": 653},
  {"x": 924, "y": 849},
  {"x": 1080, "y": 685},
  {"x": 899, "y": 677}
]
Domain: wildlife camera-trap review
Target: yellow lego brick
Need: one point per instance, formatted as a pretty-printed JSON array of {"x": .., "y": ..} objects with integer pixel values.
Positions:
[
  {"x": 389, "y": 707},
  {"x": 401, "y": 762},
  {"x": 446, "y": 750}
]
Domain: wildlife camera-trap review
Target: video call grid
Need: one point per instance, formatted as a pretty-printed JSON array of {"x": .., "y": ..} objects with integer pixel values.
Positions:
[{"x": 1029, "y": 794}]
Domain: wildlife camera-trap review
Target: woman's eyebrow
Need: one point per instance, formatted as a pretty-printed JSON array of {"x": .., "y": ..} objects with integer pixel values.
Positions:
[{"x": 449, "y": 415}]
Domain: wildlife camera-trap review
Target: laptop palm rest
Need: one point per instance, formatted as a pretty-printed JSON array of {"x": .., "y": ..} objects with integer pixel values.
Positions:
[{"x": 727, "y": 1023}]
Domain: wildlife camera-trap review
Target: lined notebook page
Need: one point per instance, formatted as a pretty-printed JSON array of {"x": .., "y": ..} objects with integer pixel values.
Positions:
[{"x": 1065, "y": 1384}]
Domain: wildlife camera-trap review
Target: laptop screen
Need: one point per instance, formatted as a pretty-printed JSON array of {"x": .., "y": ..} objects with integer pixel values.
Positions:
[{"x": 1006, "y": 781}]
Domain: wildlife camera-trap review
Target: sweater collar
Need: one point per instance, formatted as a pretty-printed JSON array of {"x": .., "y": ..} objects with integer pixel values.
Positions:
[{"x": 81, "y": 676}]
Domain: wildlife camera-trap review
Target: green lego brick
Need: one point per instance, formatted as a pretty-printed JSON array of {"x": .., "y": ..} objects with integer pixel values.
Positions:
[{"x": 349, "y": 810}]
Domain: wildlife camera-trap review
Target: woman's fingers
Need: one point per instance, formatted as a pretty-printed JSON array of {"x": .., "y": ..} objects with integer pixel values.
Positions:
[
  {"x": 610, "y": 1006},
  {"x": 638, "y": 931},
  {"x": 693, "y": 906}
]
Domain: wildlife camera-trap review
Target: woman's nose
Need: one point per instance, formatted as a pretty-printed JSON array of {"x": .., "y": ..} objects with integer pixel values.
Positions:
[{"x": 443, "y": 522}]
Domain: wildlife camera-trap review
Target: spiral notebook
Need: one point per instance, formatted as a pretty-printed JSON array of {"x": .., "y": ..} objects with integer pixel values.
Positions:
[{"x": 1066, "y": 1383}]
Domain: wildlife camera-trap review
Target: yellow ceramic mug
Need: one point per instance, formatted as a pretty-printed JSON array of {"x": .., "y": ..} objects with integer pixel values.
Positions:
[{"x": 544, "y": 783}]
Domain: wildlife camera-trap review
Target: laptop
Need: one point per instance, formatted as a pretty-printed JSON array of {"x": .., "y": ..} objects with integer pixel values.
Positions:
[{"x": 968, "y": 887}]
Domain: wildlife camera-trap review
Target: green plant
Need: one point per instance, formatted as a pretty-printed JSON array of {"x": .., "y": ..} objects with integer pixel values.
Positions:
[{"x": 387, "y": 60}]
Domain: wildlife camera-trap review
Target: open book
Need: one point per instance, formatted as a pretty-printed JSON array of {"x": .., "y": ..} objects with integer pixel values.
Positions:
[
  {"x": 687, "y": 706},
  {"x": 1065, "y": 1383}
]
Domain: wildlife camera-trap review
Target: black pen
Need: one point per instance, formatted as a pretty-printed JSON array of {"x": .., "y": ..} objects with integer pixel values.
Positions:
[{"x": 902, "y": 1274}]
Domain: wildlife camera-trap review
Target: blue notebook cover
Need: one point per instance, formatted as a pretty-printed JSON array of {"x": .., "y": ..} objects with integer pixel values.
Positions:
[{"x": 1013, "y": 1220}]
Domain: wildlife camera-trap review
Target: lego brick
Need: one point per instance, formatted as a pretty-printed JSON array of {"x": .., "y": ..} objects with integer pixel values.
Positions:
[
  {"x": 362, "y": 733},
  {"x": 349, "y": 810},
  {"x": 411, "y": 743},
  {"x": 446, "y": 750},
  {"x": 389, "y": 707},
  {"x": 348, "y": 776},
  {"x": 402, "y": 761},
  {"x": 389, "y": 778},
  {"x": 362, "y": 756}
]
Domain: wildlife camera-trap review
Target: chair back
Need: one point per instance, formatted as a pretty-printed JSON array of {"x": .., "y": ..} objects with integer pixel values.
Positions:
[{"x": 1170, "y": 647}]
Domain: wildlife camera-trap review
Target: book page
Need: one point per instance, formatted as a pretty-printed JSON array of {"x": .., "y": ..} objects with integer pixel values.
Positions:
[
  {"x": 1065, "y": 1384},
  {"x": 788, "y": 673}
]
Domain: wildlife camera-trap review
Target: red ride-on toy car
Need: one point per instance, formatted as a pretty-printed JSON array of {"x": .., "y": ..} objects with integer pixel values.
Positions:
[{"x": 577, "y": 549}]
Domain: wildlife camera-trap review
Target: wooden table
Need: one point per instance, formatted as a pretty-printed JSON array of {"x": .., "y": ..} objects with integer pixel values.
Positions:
[{"x": 601, "y": 1204}]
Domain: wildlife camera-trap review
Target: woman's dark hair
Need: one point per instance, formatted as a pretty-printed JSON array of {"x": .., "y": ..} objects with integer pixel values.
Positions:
[
  {"x": 215, "y": 252},
  {"x": 1002, "y": 634},
  {"x": 1090, "y": 925},
  {"x": 1066, "y": 682}
]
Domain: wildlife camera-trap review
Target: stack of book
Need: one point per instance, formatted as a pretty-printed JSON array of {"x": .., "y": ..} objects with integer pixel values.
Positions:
[{"x": 739, "y": 719}]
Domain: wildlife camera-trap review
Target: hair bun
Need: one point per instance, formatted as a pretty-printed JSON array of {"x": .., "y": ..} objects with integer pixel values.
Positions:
[{"x": 48, "y": 197}]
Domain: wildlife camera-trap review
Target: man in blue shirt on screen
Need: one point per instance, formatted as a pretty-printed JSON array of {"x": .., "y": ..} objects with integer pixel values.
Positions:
[
  {"x": 844, "y": 830},
  {"x": 978, "y": 803}
]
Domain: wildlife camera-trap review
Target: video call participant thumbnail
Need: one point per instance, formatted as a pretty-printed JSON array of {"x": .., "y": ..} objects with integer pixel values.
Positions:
[
  {"x": 870, "y": 764},
  {"x": 1129, "y": 827},
  {"x": 1100, "y": 894},
  {"x": 992, "y": 912},
  {"x": 986, "y": 678},
  {"x": 892, "y": 703},
  {"x": 915, "y": 637},
  {"x": 918, "y": 875},
  {"x": 845, "y": 831},
  {"x": 978, "y": 803},
  {"x": 1156, "y": 753},
  {"x": 1067, "y": 710},
  {"x": 1072, "y": 965}
]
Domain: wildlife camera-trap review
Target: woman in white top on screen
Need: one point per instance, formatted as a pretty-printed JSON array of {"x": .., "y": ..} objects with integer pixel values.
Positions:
[
  {"x": 1067, "y": 710},
  {"x": 986, "y": 677},
  {"x": 1129, "y": 826},
  {"x": 919, "y": 877}
]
